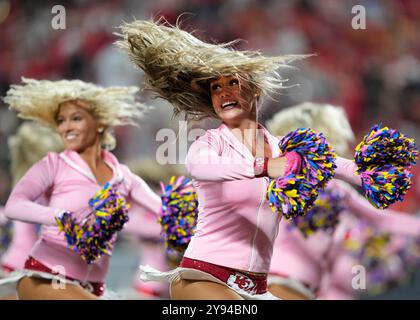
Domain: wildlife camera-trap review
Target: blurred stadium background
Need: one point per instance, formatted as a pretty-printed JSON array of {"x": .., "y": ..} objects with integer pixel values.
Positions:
[{"x": 373, "y": 73}]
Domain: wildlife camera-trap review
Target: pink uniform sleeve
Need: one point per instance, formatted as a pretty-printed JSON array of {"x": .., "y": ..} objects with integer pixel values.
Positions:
[
  {"x": 37, "y": 181},
  {"x": 24, "y": 238},
  {"x": 386, "y": 220},
  {"x": 143, "y": 224},
  {"x": 346, "y": 171},
  {"x": 142, "y": 196},
  {"x": 205, "y": 163}
]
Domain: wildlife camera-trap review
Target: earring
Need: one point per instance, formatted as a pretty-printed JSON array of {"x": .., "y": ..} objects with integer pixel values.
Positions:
[{"x": 100, "y": 130}]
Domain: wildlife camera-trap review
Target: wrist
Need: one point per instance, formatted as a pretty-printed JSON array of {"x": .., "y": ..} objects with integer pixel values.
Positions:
[
  {"x": 294, "y": 163},
  {"x": 261, "y": 167}
]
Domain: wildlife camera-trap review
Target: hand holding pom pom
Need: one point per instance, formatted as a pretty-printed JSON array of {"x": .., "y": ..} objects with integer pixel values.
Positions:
[
  {"x": 293, "y": 194},
  {"x": 92, "y": 237}
]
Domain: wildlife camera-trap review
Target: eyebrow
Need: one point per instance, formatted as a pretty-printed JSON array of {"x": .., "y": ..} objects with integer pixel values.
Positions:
[{"x": 70, "y": 115}]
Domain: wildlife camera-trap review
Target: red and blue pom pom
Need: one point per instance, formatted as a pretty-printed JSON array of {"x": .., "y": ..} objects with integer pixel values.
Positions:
[
  {"x": 178, "y": 214},
  {"x": 294, "y": 194},
  {"x": 384, "y": 158},
  {"x": 324, "y": 215}
]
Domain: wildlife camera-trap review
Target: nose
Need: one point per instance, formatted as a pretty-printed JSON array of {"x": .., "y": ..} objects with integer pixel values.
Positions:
[{"x": 225, "y": 93}]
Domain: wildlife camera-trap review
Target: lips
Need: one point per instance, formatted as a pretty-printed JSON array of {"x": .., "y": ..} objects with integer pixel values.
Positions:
[
  {"x": 229, "y": 105},
  {"x": 70, "y": 137}
]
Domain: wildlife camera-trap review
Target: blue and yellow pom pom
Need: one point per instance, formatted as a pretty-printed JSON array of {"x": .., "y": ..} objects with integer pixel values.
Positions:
[
  {"x": 294, "y": 194},
  {"x": 384, "y": 158},
  {"x": 324, "y": 215},
  {"x": 178, "y": 214},
  {"x": 92, "y": 237}
]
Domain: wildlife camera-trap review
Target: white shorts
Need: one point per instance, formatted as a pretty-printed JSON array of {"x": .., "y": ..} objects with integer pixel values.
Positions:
[
  {"x": 14, "y": 277},
  {"x": 147, "y": 273},
  {"x": 292, "y": 283}
]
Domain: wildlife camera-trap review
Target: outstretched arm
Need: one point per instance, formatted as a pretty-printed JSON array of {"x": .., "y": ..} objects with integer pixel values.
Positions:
[{"x": 386, "y": 220}]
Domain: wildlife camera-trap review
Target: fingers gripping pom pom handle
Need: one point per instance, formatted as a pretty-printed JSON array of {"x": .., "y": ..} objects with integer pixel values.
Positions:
[{"x": 293, "y": 194}]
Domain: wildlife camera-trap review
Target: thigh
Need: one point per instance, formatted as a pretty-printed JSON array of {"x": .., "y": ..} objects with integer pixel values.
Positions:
[
  {"x": 31, "y": 288},
  {"x": 201, "y": 290},
  {"x": 286, "y": 293}
]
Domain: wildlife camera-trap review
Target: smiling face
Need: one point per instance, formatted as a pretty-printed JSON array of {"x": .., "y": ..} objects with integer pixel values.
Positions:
[
  {"x": 76, "y": 126},
  {"x": 232, "y": 98}
]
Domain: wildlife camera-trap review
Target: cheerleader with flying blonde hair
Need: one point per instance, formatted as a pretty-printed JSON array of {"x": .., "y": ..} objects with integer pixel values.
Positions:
[
  {"x": 241, "y": 172},
  {"x": 88, "y": 192}
]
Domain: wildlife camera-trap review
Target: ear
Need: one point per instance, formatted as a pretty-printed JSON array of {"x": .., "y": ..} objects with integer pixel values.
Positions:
[{"x": 101, "y": 128}]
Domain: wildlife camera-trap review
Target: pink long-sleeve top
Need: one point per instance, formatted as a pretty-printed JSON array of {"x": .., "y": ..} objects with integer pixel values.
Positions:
[
  {"x": 23, "y": 239},
  {"x": 68, "y": 183},
  {"x": 236, "y": 227},
  {"x": 306, "y": 259},
  {"x": 145, "y": 225}
]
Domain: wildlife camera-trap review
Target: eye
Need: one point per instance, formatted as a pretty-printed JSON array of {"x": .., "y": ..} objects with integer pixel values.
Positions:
[
  {"x": 77, "y": 118},
  {"x": 59, "y": 121},
  {"x": 215, "y": 87},
  {"x": 234, "y": 82}
]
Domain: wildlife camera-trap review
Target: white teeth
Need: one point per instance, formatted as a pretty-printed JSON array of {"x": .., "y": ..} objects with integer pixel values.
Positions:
[
  {"x": 228, "y": 103},
  {"x": 71, "y": 137}
]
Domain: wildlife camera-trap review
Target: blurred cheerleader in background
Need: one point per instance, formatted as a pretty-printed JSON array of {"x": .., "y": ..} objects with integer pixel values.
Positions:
[
  {"x": 307, "y": 249},
  {"x": 146, "y": 232},
  {"x": 88, "y": 191},
  {"x": 29, "y": 145}
]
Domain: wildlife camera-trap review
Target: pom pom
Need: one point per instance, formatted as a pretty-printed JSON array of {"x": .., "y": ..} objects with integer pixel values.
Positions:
[
  {"x": 324, "y": 215},
  {"x": 178, "y": 214},
  {"x": 291, "y": 195},
  {"x": 294, "y": 194},
  {"x": 110, "y": 209},
  {"x": 384, "y": 185},
  {"x": 383, "y": 158},
  {"x": 93, "y": 237},
  {"x": 374, "y": 251},
  {"x": 72, "y": 230},
  {"x": 410, "y": 253},
  {"x": 383, "y": 145},
  {"x": 317, "y": 155}
]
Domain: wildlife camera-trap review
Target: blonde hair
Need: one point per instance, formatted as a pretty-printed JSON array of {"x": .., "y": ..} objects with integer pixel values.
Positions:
[
  {"x": 29, "y": 145},
  {"x": 325, "y": 118},
  {"x": 40, "y": 100},
  {"x": 178, "y": 65}
]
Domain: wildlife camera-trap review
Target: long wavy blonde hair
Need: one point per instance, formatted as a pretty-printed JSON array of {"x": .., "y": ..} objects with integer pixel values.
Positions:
[{"x": 178, "y": 66}]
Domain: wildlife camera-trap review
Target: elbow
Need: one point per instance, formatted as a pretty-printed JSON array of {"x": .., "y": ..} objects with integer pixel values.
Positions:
[
  {"x": 9, "y": 210},
  {"x": 193, "y": 171}
]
